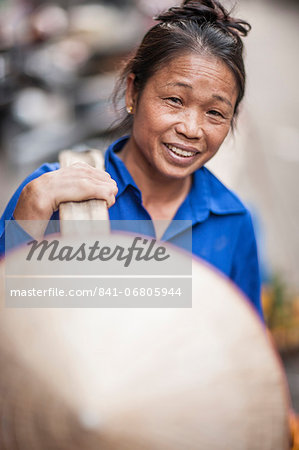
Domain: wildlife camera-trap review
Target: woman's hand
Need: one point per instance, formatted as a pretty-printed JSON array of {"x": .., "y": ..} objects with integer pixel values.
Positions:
[{"x": 78, "y": 182}]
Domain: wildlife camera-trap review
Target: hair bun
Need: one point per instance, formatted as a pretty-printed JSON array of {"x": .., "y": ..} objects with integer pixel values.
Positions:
[{"x": 205, "y": 11}]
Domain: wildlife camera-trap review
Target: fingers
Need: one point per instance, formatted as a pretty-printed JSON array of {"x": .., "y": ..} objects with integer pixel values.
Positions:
[
  {"x": 100, "y": 190},
  {"x": 80, "y": 182},
  {"x": 83, "y": 168},
  {"x": 95, "y": 183},
  {"x": 106, "y": 193}
]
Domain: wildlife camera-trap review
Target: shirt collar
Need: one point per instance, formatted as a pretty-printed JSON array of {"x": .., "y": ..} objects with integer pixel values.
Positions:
[
  {"x": 207, "y": 194},
  {"x": 221, "y": 200},
  {"x": 117, "y": 169}
]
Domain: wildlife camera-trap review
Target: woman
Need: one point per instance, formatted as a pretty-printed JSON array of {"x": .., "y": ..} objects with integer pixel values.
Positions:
[{"x": 182, "y": 89}]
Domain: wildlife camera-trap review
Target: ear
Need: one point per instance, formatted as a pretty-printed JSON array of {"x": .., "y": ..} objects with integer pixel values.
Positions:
[{"x": 131, "y": 94}]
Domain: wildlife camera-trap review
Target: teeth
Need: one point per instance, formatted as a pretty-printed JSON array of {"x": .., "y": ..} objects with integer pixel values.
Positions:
[{"x": 179, "y": 151}]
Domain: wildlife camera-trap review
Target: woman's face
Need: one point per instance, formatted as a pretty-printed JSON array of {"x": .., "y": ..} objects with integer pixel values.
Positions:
[{"x": 182, "y": 115}]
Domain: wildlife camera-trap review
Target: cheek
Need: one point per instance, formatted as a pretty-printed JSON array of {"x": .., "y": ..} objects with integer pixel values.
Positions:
[
  {"x": 216, "y": 137},
  {"x": 155, "y": 123}
]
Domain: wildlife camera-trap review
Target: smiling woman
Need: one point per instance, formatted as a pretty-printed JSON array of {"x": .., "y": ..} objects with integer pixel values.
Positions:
[
  {"x": 182, "y": 90},
  {"x": 181, "y": 118}
]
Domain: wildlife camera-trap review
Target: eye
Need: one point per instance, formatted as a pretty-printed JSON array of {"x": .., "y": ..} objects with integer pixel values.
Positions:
[
  {"x": 175, "y": 100},
  {"x": 215, "y": 113}
]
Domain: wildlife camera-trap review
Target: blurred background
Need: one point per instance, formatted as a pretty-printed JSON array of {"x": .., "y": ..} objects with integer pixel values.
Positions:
[{"x": 58, "y": 64}]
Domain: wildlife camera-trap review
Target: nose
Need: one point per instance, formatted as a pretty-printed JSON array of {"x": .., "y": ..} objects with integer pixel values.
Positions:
[{"x": 190, "y": 125}]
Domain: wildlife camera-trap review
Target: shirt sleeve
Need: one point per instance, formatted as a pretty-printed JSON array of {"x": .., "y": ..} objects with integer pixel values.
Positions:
[
  {"x": 20, "y": 236},
  {"x": 245, "y": 267}
]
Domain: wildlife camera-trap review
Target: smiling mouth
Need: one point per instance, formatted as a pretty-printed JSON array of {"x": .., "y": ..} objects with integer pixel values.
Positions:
[{"x": 180, "y": 152}]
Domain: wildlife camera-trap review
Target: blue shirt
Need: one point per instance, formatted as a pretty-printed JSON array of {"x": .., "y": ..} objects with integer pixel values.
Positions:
[{"x": 222, "y": 230}]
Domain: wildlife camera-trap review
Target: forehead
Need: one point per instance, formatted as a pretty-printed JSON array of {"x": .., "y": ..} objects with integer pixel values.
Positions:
[{"x": 196, "y": 71}]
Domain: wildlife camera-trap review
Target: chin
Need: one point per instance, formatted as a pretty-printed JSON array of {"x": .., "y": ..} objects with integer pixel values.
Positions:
[{"x": 177, "y": 174}]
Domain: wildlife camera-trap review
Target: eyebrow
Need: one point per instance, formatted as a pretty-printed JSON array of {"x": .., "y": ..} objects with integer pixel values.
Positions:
[
  {"x": 179, "y": 83},
  {"x": 222, "y": 99}
]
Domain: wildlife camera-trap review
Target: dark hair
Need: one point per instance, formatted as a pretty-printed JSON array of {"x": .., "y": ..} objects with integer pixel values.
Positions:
[{"x": 203, "y": 26}]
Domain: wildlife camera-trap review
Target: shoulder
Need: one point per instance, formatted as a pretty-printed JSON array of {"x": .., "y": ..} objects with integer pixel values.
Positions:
[
  {"x": 44, "y": 168},
  {"x": 221, "y": 199}
]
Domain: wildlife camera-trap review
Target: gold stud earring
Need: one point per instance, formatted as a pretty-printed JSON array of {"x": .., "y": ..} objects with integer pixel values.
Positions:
[{"x": 129, "y": 109}]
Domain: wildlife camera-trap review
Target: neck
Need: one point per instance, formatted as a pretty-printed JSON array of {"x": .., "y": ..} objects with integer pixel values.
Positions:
[{"x": 156, "y": 189}]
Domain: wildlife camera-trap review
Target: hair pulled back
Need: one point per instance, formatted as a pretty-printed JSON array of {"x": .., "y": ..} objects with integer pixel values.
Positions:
[{"x": 201, "y": 26}]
